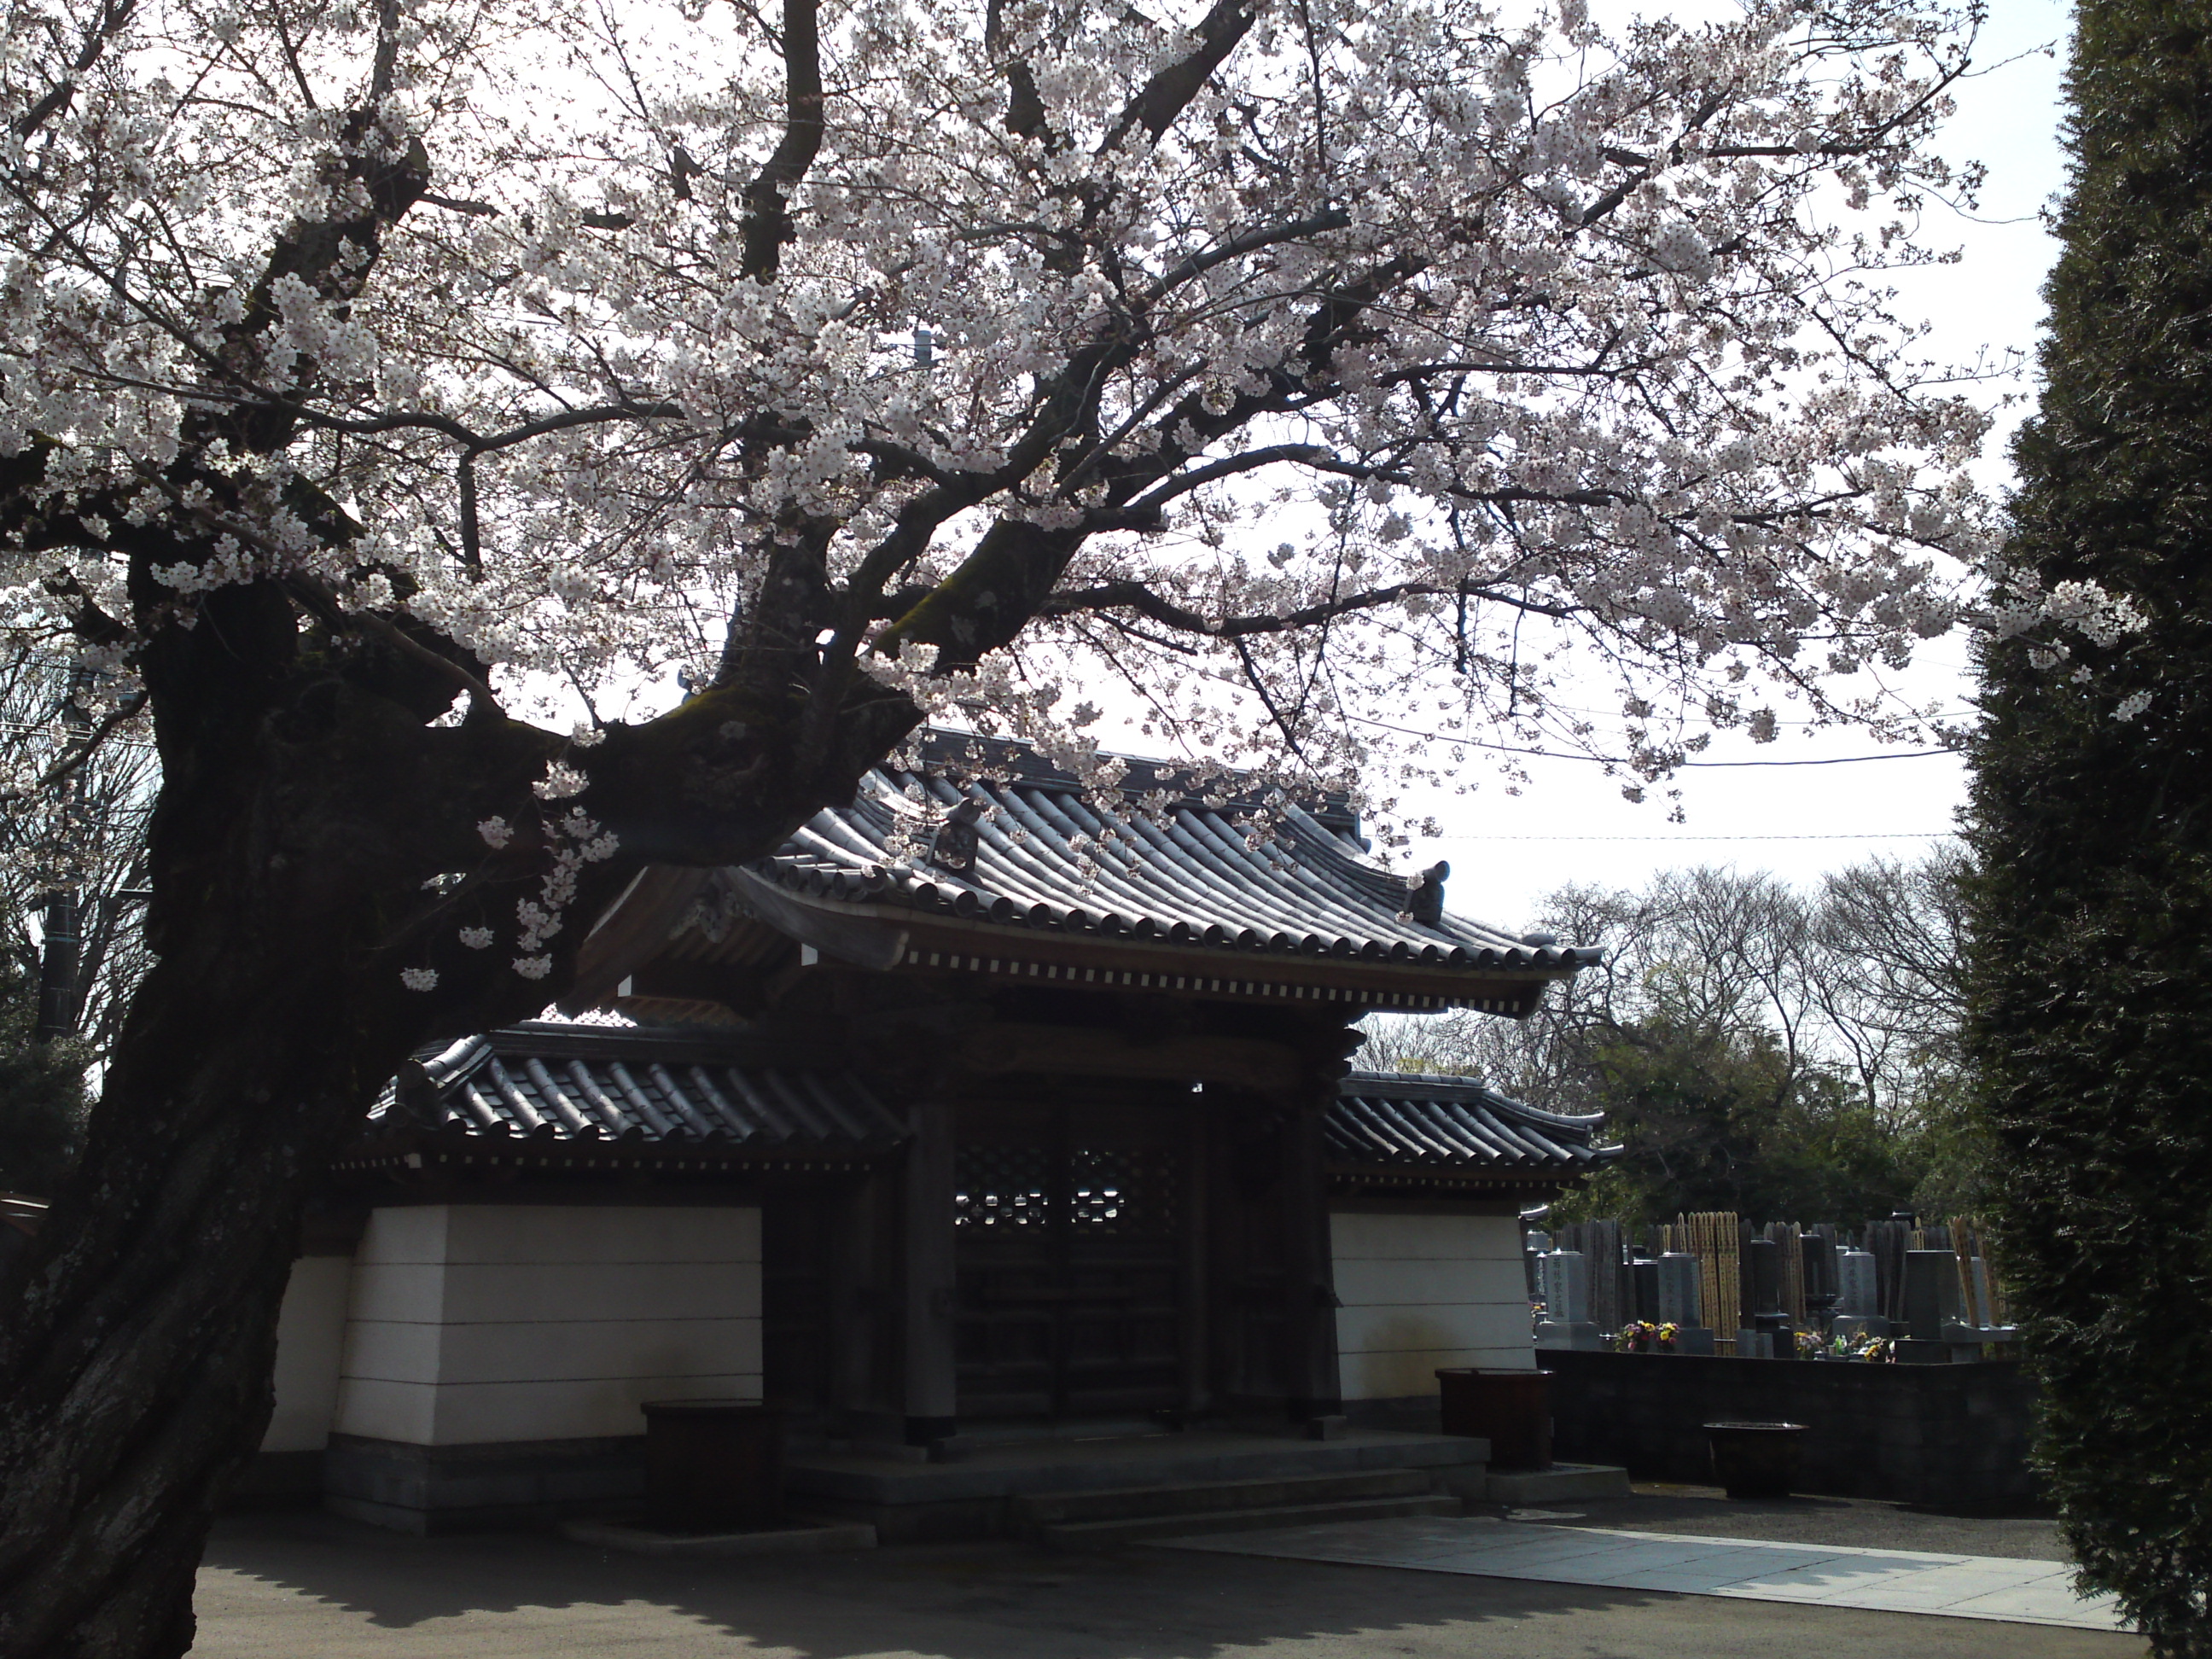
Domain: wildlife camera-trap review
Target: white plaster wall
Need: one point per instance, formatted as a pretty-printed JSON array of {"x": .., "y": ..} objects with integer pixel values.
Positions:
[
  {"x": 471, "y": 1324},
  {"x": 310, "y": 1340},
  {"x": 1420, "y": 1292}
]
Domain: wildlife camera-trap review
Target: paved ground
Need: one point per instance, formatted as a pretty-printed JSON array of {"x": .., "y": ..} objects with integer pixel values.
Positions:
[
  {"x": 1863, "y": 1522},
  {"x": 309, "y": 1587},
  {"x": 2013, "y": 1589}
]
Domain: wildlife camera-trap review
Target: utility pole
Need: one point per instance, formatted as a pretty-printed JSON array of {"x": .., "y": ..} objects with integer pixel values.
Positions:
[{"x": 57, "y": 966}]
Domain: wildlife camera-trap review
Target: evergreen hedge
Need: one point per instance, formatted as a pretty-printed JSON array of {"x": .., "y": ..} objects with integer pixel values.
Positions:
[{"x": 2092, "y": 938}]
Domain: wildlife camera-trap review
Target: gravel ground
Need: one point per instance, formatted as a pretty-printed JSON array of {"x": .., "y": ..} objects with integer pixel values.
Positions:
[{"x": 1863, "y": 1522}]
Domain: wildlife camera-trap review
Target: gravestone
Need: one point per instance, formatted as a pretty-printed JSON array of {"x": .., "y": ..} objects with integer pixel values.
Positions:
[
  {"x": 1888, "y": 1240},
  {"x": 1675, "y": 1276},
  {"x": 1859, "y": 1285},
  {"x": 1646, "y": 1273},
  {"x": 1565, "y": 1277},
  {"x": 1931, "y": 1293},
  {"x": 1780, "y": 1332},
  {"x": 1762, "y": 1276},
  {"x": 1931, "y": 1302},
  {"x": 1534, "y": 1244},
  {"x": 1818, "y": 1255}
]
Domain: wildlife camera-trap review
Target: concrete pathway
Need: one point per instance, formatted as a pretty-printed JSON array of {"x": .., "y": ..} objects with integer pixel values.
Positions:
[
  {"x": 1822, "y": 1575},
  {"x": 306, "y": 1586}
]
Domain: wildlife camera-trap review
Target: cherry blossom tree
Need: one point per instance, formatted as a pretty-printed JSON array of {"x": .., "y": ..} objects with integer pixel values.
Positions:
[{"x": 367, "y": 367}]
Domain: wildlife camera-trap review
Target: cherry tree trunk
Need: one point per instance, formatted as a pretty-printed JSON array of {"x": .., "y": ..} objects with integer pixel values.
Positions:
[
  {"x": 135, "y": 1370},
  {"x": 136, "y": 1348},
  {"x": 318, "y": 852}
]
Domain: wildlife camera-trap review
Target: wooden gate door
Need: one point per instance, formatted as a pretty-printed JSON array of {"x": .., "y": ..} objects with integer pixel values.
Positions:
[{"x": 1070, "y": 1253}]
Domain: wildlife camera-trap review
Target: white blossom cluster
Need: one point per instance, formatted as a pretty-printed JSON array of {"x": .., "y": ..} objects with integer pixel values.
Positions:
[
  {"x": 575, "y": 841},
  {"x": 1425, "y": 351}
]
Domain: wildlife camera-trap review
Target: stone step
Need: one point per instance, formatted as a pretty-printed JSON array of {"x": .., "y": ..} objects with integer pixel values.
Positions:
[
  {"x": 1137, "y": 1530},
  {"x": 1182, "y": 1497}
]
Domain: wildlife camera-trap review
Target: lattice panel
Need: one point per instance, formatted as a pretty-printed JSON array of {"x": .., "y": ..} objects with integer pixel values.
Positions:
[
  {"x": 1122, "y": 1190},
  {"x": 1000, "y": 1187}
]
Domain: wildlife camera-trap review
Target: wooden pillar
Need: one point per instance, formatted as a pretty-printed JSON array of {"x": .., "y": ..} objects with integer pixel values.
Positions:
[
  {"x": 931, "y": 1286},
  {"x": 1310, "y": 1363},
  {"x": 1196, "y": 1271},
  {"x": 855, "y": 1296}
]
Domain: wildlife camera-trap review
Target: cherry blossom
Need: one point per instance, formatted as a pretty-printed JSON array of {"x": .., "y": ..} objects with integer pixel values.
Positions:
[{"x": 1295, "y": 373}]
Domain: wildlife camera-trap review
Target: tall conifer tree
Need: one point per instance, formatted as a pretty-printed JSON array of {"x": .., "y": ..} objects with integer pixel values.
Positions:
[{"x": 2092, "y": 806}]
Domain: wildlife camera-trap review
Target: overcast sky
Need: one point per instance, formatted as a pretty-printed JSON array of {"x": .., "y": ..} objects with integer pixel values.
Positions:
[{"x": 1570, "y": 823}]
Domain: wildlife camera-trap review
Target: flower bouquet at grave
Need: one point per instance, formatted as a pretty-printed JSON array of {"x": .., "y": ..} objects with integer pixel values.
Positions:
[
  {"x": 1809, "y": 1346},
  {"x": 1875, "y": 1350},
  {"x": 1667, "y": 1338},
  {"x": 1638, "y": 1336}
]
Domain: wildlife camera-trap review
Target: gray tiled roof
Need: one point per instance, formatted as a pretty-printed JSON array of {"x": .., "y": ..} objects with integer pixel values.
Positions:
[
  {"x": 1047, "y": 856},
  {"x": 568, "y": 1083},
  {"x": 1387, "y": 1119}
]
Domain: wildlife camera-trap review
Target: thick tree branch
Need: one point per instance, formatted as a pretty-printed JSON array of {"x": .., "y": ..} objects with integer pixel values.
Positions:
[
  {"x": 331, "y": 257},
  {"x": 1250, "y": 241},
  {"x": 767, "y": 224},
  {"x": 1146, "y": 602},
  {"x": 1169, "y": 92},
  {"x": 113, "y": 15},
  {"x": 81, "y": 748},
  {"x": 1025, "y": 108}
]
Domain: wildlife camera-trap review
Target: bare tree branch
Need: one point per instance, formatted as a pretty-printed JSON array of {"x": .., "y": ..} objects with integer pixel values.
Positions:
[{"x": 113, "y": 15}]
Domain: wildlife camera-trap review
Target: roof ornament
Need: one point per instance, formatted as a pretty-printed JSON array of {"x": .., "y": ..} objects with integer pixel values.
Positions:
[
  {"x": 1425, "y": 895},
  {"x": 954, "y": 846}
]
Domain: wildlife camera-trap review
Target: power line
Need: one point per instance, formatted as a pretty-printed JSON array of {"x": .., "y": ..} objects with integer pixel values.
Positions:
[
  {"x": 1602, "y": 760},
  {"x": 1833, "y": 760},
  {"x": 1887, "y": 835}
]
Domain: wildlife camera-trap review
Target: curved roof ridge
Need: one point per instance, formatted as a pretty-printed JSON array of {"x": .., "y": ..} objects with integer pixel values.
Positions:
[
  {"x": 1440, "y": 1085},
  {"x": 1191, "y": 875}
]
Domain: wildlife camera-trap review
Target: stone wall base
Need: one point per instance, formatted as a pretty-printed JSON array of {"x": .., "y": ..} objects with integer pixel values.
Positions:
[
  {"x": 440, "y": 1489},
  {"x": 1949, "y": 1436}
]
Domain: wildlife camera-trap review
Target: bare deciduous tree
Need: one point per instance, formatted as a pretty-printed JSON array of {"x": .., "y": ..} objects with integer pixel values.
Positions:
[{"x": 1852, "y": 991}]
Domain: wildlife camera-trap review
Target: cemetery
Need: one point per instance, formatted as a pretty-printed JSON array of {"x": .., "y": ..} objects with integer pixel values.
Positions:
[{"x": 1900, "y": 1363}]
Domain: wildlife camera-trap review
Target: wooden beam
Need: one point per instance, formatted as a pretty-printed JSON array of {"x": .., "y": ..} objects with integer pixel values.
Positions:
[{"x": 1247, "y": 1062}]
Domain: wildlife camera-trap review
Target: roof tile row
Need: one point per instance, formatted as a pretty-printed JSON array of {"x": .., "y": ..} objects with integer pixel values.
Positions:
[
  {"x": 589, "y": 1084},
  {"x": 1044, "y": 855}
]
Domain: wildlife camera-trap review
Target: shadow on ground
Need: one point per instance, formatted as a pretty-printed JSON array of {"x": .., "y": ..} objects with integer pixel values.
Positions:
[{"x": 311, "y": 1586}]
